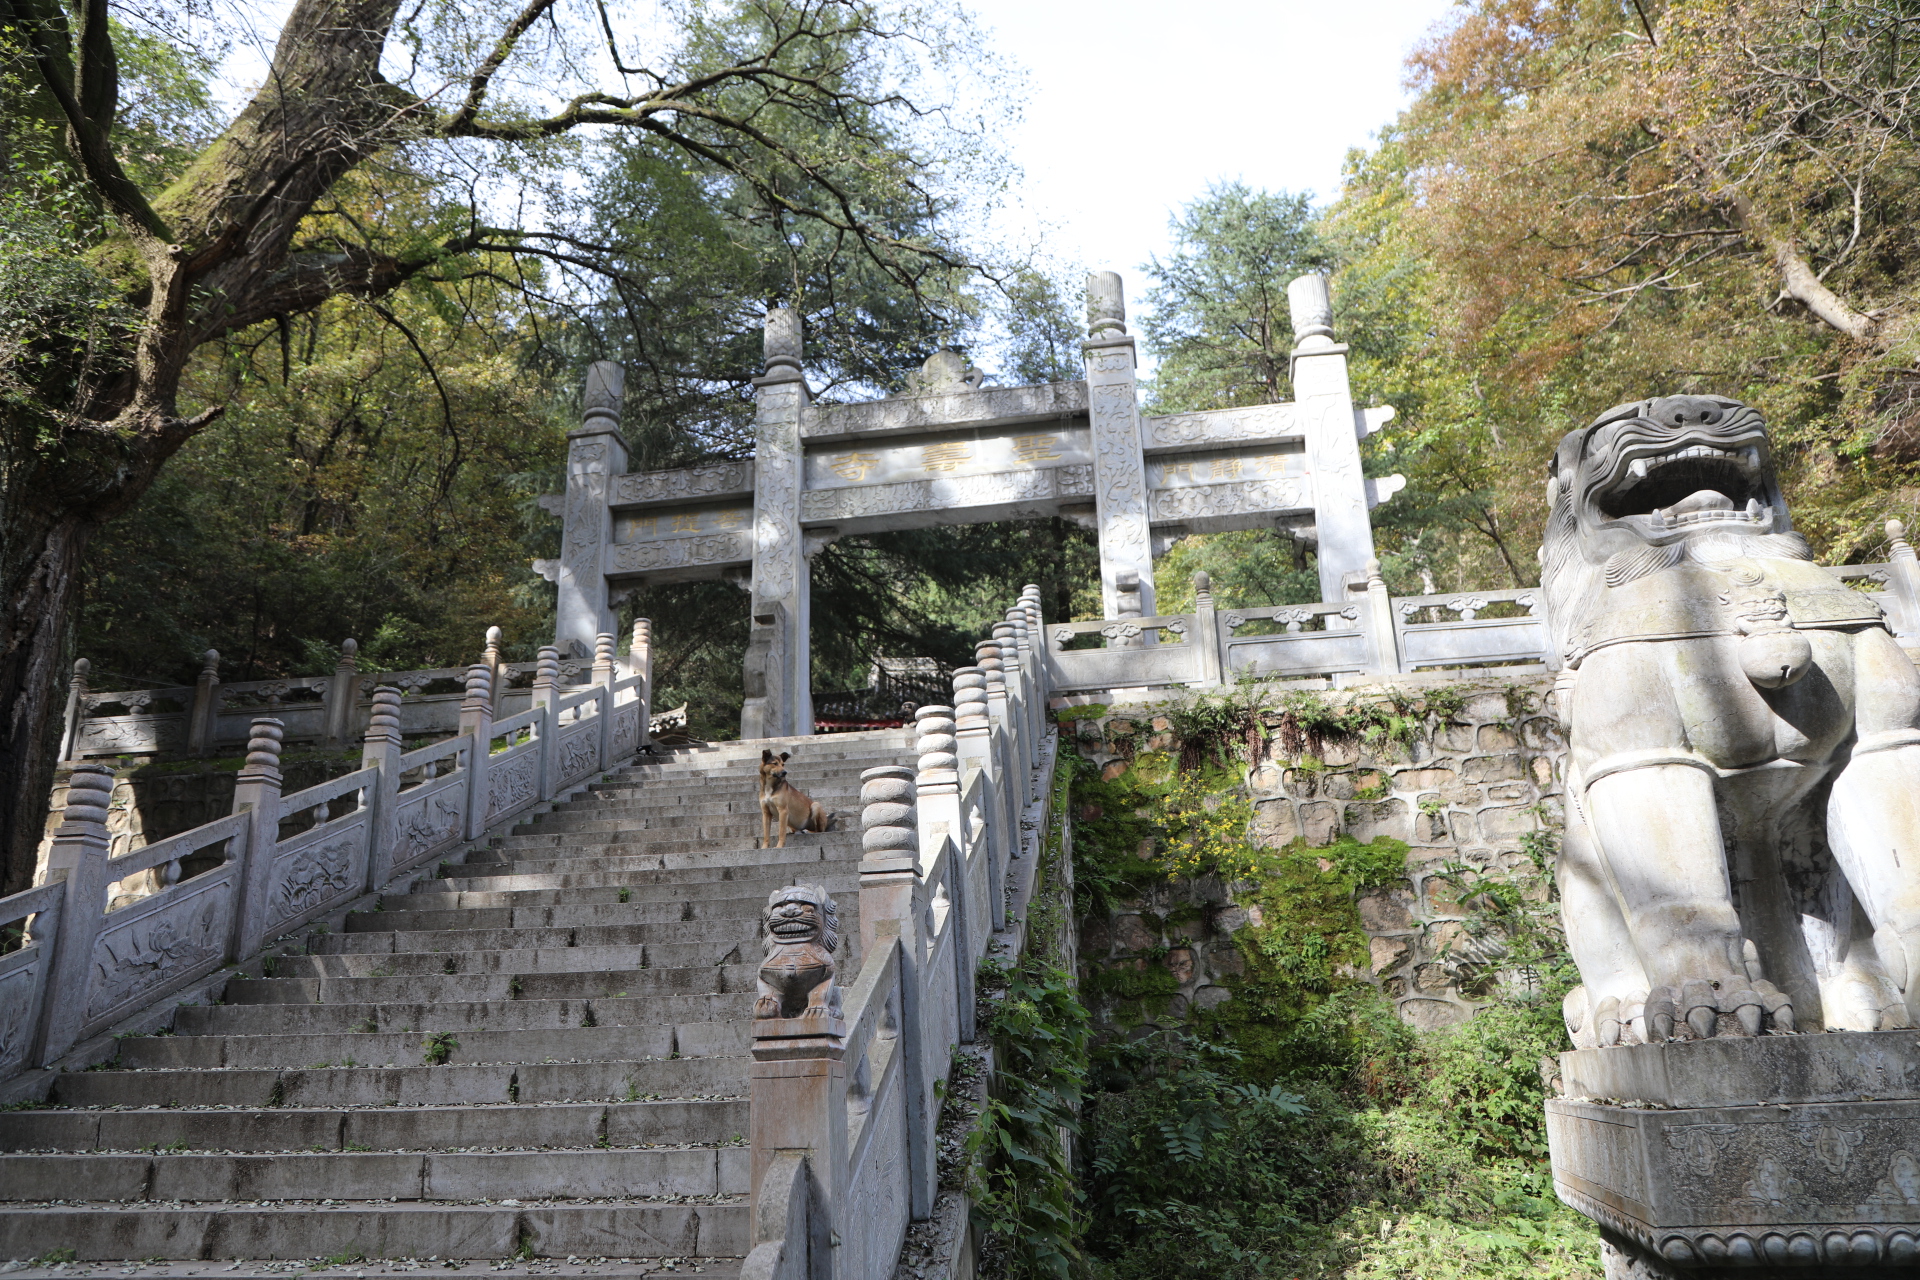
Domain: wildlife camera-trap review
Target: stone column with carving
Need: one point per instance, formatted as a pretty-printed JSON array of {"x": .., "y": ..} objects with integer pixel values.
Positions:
[
  {"x": 603, "y": 680},
  {"x": 1386, "y": 641},
  {"x": 381, "y": 749},
  {"x": 640, "y": 663},
  {"x": 596, "y": 454},
  {"x": 973, "y": 737},
  {"x": 779, "y": 564},
  {"x": 496, "y": 668},
  {"x": 1324, "y": 400},
  {"x": 1119, "y": 467},
  {"x": 476, "y": 719},
  {"x": 257, "y": 792},
  {"x": 343, "y": 694},
  {"x": 206, "y": 705},
  {"x": 78, "y": 856},
  {"x": 1037, "y": 644}
]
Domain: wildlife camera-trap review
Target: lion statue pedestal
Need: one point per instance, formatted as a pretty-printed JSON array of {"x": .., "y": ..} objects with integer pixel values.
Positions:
[{"x": 1741, "y": 866}]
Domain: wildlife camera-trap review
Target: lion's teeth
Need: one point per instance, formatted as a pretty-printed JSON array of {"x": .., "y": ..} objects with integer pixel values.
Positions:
[
  {"x": 1637, "y": 468},
  {"x": 1754, "y": 510},
  {"x": 1751, "y": 456}
]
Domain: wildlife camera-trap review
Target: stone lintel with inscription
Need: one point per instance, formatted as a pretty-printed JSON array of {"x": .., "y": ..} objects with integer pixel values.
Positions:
[
  {"x": 906, "y": 415},
  {"x": 707, "y": 482}
]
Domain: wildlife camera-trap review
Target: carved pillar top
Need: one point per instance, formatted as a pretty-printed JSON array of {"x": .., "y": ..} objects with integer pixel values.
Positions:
[
  {"x": 1119, "y": 466},
  {"x": 935, "y": 745}
]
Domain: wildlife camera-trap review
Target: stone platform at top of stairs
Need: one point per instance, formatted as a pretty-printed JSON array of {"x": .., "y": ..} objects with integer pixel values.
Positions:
[{"x": 538, "y": 1054}]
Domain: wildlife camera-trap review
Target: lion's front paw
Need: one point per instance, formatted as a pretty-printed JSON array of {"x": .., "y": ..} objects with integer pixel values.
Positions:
[
  {"x": 1695, "y": 1008},
  {"x": 766, "y": 1007}
]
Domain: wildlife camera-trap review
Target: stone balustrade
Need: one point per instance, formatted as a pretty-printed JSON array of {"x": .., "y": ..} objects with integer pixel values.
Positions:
[
  {"x": 1369, "y": 634},
  {"x": 844, "y": 1112},
  {"x": 212, "y": 717},
  {"x": 278, "y": 861}
]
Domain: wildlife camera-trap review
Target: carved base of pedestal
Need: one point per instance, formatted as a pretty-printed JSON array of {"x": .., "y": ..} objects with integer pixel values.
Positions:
[{"x": 1755, "y": 1183}]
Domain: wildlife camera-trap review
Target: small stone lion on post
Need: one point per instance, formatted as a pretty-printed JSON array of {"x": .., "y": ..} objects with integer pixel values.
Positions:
[
  {"x": 796, "y": 976},
  {"x": 1743, "y": 825}
]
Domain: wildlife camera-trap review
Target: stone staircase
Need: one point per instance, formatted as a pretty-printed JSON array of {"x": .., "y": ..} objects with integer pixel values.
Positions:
[{"x": 538, "y": 1056}]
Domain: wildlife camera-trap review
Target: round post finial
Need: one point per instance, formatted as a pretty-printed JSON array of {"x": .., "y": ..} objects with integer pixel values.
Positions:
[
  {"x": 606, "y": 388},
  {"x": 209, "y": 663},
  {"x": 1900, "y": 548},
  {"x": 1106, "y": 305},
  {"x": 781, "y": 340},
  {"x": 89, "y": 795},
  {"x": 889, "y": 820},
  {"x": 546, "y": 668},
  {"x": 383, "y": 722},
  {"x": 479, "y": 689},
  {"x": 935, "y": 742},
  {"x": 1310, "y": 305},
  {"x": 263, "y": 748},
  {"x": 969, "y": 695}
]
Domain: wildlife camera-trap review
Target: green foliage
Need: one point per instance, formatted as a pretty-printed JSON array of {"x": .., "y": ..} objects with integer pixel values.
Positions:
[
  {"x": 1194, "y": 1172},
  {"x": 1019, "y": 1169},
  {"x": 437, "y": 1048},
  {"x": 1390, "y": 719}
]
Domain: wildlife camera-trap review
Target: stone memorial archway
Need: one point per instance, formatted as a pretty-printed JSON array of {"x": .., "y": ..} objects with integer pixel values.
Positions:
[{"x": 953, "y": 451}]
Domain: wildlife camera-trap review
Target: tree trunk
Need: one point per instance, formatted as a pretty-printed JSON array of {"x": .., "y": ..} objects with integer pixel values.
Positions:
[{"x": 40, "y": 598}]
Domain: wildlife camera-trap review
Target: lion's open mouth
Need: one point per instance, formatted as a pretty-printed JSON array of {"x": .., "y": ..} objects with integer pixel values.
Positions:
[
  {"x": 1693, "y": 485},
  {"x": 792, "y": 927}
]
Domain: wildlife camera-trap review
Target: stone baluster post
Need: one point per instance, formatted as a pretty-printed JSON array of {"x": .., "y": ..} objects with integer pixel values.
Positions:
[
  {"x": 257, "y": 793},
  {"x": 893, "y": 903},
  {"x": 1119, "y": 466},
  {"x": 937, "y": 787},
  {"x": 381, "y": 749},
  {"x": 476, "y": 721},
  {"x": 973, "y": 737},
  {"x": 1013, "y": 679},
  {"x": 640, "y": 660},
  {"x": 546, "y": 688},
  {"x": 781, "y": 585},
  {"x": 1037, "y": 642},
  {"x": 603, "y": 680},
  {"x": 206, "y": 705},
  {"x": 1206, "y": 631},
  {"x": 1006, "y": 765},
  {"x": 496, "y": 669},
  {"x": 1905, "y": 568},
  {"x": 1386, "y": 641},
  {"x": 76, "y": 709},
  {"x": 343, "y": 695},
  {"x": 78, "y": 856}
]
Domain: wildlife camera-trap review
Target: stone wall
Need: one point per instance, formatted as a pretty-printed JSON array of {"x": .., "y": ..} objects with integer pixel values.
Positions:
[{"x": 1466, "y": 791}]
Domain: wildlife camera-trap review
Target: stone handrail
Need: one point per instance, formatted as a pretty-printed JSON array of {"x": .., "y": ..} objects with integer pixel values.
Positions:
[
  {"x": 323, "y": 711},
  {"x": 844, "y": 1111},
  {"x": 1369, "y": 634},
  {"x": 73, "y": 969}
]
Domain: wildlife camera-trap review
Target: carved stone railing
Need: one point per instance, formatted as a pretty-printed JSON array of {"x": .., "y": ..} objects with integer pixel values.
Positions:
[
  {"x": 323, "y": 711},
  {"x": 70, "y": 969},
  {"x": 844, "y": 1109},
  {"x": 1370, "y": 633}
]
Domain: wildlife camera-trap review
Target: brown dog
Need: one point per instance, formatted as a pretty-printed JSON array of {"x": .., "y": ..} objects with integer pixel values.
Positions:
[{"x": 782, "y": 802}]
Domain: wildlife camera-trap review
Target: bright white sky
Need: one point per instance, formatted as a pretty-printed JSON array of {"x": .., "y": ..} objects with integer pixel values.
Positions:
[{"x": 1134, "y": 108}]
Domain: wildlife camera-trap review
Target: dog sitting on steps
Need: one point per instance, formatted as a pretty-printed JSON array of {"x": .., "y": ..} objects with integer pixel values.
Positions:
[{"x": 785, "y": 804}]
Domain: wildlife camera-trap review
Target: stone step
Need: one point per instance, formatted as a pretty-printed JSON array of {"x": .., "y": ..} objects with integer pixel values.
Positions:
[
  {"x": 630, "y": 1228},
  {"x": 585, "y": 913},
  {"x": 369, "y": 1085},
  {"x": 543, "y": 960},
  {"x": 379, "y": 1175},
  {"x": 801, "y": 846},
  {"x": 512, "y": 1126},
  {"x": 569, "y": 1044},
  {"x": 532, "y": 891},
  {"x": 766, "y": 865},
  {"x": 457, "y": 1015},
  {"x": 438, "y": 987},
  {"x": 696, "y": 936}
]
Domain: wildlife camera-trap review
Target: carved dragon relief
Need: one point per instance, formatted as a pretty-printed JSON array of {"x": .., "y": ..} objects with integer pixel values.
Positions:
[{"x": 1742, "y": 846}]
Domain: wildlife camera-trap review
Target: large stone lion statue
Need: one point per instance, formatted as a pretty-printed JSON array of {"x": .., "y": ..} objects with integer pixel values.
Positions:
[{"x": 1743, "y": 829}]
